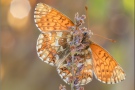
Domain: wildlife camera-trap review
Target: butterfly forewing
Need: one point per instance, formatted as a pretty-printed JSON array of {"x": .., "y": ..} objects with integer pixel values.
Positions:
[
  {"x": 50, "y": 19},
  {"x": 106, "y": 69}
]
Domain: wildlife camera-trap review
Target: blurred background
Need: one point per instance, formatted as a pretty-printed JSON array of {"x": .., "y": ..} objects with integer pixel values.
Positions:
[{"x": 20, "y": 67}]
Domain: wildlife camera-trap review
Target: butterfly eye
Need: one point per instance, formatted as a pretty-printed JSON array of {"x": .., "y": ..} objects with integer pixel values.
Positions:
[{"x": 85, "y": 33}]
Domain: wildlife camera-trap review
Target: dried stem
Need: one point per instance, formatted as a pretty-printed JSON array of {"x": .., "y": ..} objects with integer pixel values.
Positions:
[
  {"x": 72, "y": 70},
  {"x": 72, "y": 84}
]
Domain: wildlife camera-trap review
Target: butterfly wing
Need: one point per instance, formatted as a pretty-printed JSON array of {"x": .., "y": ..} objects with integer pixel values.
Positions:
[
  {"x": 53, "y": 46},
  {"x": 50, "y": 19},
  {"x": 85, "y": 73},
  {"x": 106, "y": 69}
]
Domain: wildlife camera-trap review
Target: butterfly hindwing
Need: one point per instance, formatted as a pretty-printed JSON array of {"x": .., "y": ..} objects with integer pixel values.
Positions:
[
  {"x": 106, "y": 69},
  {"x": 50, "y": 19},
  {"x": 85, "y": 73},
  {"x": 52, "y": 46}
]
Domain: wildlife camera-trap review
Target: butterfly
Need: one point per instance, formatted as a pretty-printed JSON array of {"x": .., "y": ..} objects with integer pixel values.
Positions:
[{"x": 54, "y": 49}]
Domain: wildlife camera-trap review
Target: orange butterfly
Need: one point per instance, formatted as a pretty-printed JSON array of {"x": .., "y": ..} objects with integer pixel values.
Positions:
[{"x": 53, "y": 48}]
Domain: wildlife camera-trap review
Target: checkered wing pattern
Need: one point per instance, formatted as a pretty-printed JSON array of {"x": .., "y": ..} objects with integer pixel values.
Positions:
[
  {"x": 85, "y": 73},
  {"x": 53, "y": 46},
  {"x": 105, "y": 67},
  {"x": 49, "y": 19}
]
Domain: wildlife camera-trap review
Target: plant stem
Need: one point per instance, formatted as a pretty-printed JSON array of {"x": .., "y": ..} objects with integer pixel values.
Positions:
[{"x": 72, "y": 54}]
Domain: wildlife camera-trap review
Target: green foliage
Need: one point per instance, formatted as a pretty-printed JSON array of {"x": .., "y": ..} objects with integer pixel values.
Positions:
[{"x": 129, "y": 6}]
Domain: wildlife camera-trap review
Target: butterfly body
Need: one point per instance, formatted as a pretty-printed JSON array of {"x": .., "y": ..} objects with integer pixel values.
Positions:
[{"x": 54, "y": 47}]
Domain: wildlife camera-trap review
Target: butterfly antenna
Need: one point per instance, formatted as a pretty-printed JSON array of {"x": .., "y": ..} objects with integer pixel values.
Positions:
[
  {"x": 105, "y": 38},
  {"x": 87, "y": 15}
]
